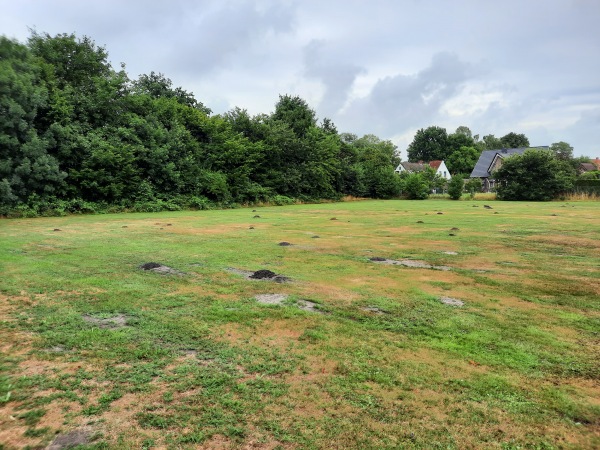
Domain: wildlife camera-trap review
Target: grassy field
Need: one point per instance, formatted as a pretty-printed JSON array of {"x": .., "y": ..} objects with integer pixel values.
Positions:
[{"x": 96, "y": 351}]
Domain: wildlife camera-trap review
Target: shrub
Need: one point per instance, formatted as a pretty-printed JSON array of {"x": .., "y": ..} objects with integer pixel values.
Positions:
[
  {"x": 455, "y": 187},
  {"x": 415, "y": 187},
  {"x": 535, "y": 175}
]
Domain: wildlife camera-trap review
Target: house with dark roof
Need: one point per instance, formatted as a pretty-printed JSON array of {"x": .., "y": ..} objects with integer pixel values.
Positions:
[
  {"x": 586, "y": 167},
  {"x": 491, "y": 160},
  {"x": 439, "y": 167}
]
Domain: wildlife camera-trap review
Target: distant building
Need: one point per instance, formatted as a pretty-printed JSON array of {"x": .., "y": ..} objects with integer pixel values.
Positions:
[
  {"x": 491, "y": 160},
  {"x": 596, "y": 162},
  {"x": 587, "y": 167},
  {"x": 439, "y": 167}
]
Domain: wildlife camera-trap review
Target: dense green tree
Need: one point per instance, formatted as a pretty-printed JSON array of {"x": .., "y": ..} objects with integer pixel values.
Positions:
[
  {"x": 534, "y": 175},
  {"x": 26, "y": 167},
  {"x": 414, "y": 186},
  {"x": 465, "y": 131},
  {"x": 473, "y": 185},
  {"x": 433, "y": 179},
  {"x": 514, "y": 140},
  {"x": 369, "y": 165},
  {"x": 562, "y": 150},
  {"x": 463, "y": 160},
  {"x": 456, "y": 186},
  {"x": 157, "y": 85},
  {"x": 458, "y": 140},
  {"x": 490, "y": 142},
  {"x": 428, "y": 145},
  {"x": 296, "y": 113}
]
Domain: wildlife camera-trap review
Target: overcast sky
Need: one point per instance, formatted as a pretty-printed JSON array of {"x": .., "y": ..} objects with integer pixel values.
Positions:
[{"x": 385, "y": 67}]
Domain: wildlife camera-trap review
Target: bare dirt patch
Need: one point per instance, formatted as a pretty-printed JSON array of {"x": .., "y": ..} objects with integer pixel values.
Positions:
[
  {"x": 116, "y": 321},
  {"x": 271, "y": 299},
  {"x": 80, "y": 436},
  {"x": 452, "y": 301},
  {"x": 408, "y": 263}
]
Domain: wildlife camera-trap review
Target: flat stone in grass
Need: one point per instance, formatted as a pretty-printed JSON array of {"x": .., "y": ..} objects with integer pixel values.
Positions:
[
  {"x": 452, "y": 301},
  {"x": 408, "y": 263},
  {"x": 271, "y": 299},
  {"x": 116, "y": 321},
  {"x": 450, "y": 253},
  {"x": 75, "y": 438}
]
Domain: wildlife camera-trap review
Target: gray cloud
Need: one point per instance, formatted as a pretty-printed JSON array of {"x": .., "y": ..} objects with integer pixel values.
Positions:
[
  {"x": 383, "y": 66},
  {"x": 404, "y": 101},
  {"x": 337, "y": 76}
]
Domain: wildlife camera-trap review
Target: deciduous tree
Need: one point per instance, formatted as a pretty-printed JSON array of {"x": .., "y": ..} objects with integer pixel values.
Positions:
[
  {"x": 428, "y": 145},
  {"x": 534, "y": 175}
]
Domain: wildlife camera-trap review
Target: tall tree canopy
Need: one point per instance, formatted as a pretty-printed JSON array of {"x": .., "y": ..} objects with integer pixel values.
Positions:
[
  {"x": 26, "y": 167},
  {"x": 429, "y": 144},
  {"x": 514, "y": 140}
]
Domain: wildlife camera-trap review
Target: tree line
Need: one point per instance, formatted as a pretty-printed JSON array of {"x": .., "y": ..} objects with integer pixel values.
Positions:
[{"x": 78, "y": 134}]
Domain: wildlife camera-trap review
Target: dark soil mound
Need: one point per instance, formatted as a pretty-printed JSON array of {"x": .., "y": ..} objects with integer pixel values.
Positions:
[
  {"x": 263, "y": 273},
  {"x": 284, "y": 244},
  {"x": 150, "y": 266},
  {"x": 315, "y": 237},
  {"x": 377, "y": 258}
]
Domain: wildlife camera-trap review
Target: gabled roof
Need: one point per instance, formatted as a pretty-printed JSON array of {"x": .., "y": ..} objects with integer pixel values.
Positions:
[
  {"x": 420, "y": 166},
  {"x": 486, "y": 158},
  {"x": 588, "y": 167},
  {"x": 413, "y": 167}
]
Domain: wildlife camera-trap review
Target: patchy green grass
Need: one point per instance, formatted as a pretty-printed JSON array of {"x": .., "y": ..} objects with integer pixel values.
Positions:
[{"x": 140, "y": 359}]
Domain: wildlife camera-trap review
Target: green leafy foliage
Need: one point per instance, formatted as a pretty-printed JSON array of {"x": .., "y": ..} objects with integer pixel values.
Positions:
[
  {"x": 534, "y": 175},
  {"x": 428, "y": 145},
  {"x": 77, "y": 129},
  {"x": 415, "y": 186},
  {"x": 514, "y": 140},
  {"x": 463, "y": 160},
  {"x": 456, "y": 186}
]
